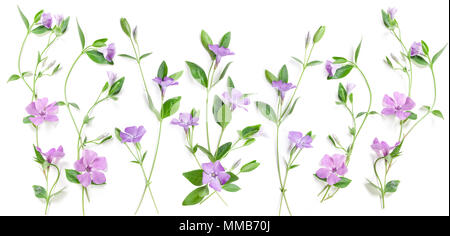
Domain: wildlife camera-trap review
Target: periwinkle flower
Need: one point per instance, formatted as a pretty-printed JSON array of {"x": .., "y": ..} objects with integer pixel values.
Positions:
[
  {"x": 220, "y": 52},
  {"x": 350, "y": 87},
  {"x": 91, "y": 165},
  {"x": 58, "y": 19},
  {"x": 416, "y": 49},
  {"x": 186, "y": 121},
  {"x": 334, "y": 166},
  {"x": 53, "y": 155},
  {"x": 112, "y": 77},
  {"x": 132, "y": 134},
  {"x": 282, "y": 87},
  {"x": 109, "y": 52},
  {"x": 382, "y": 148},
  {"x": 331, "y": 68},
  {"x": 214, "y": 174},
  {"x": 392, "y": 11},
  {"x": 47, "y": 20},
  {"x": 236, "y": 99},
  {"x": 40, "y": 111},
  {"x": 164, "y": 83},
  {"x": 299, "y": 140},
  {"x": 399, "y": 105}
]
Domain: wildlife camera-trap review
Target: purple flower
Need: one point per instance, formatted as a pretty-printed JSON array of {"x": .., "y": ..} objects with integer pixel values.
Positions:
[
  {"x": 350, "y": 87},
  {"x": 392, "y": 11},
  {"x": 58, "y": 18},
  {"x": 399, "y": 105},
  {"x": 109, "y": 52},
  {"x": 132, "y": 134},
  {"x": 299, "y": 140},
  {"x": 164, "y": 83},
  {"x": 236, "y": 99},
  {"x": 416, "y": 49},
  {"x": 382, "y": 148},
  {"x": 53, "y": 155},
  {"x": 40, "y": 111},
  {"x": 220, "y": 52},
  {"x": 214, "y": 174},
  {"x": 334, "y": 166},
  {"x": 112, "y": 77},
  {"x": 91, "y": 164},
  {"x": 331, "y": 68},
  {"x": 282, "y": 87},
  {"x": 47, "y": 20},
  {"x": 186, "y": 121}
]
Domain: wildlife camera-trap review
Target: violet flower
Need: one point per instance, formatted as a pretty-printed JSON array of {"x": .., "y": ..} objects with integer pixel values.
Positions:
[
  {"x": 392, "y": 11},
  {"x": 109, "y": 52},
  {"x": 399, "y": 105},
  {"x": 282, "y": 87},
  {"x": 350, "y": 87},
  {"x": 164, "y": 83},
  {"x": 214, "y": 174},
  {"x": 47, "y": 20},
  {"x": 132, "y": 134},
  {"x": 331, "y": 68},
  {"x": 112, "y": 77},
  {"x": 53, "y": 155},
  {"x": 236, "y": 99},
  {"x": 220, "y": 52},
  {"x": 299, "y": 140},
  {"x": 186, "y": 121},
  {"x": 416, "y": 49},
  {"x": 40, "y": 111},
  {"x": 91, "y": 164},
  {"x": 382, "y": 148},
  {"x": 334, "y": 167},
  {"x": 58, "y": 19}
]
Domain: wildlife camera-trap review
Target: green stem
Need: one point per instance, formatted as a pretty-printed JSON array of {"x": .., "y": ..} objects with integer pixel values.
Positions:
[
  {"x": 49, "y": 195},
  {"x": 408, "y": 56},
  {"x": 379, "y": 181},
  {"x": 220, "y": 138},
  {"x": 20, "y": 58},
  {"x": 207, "y": 105}
]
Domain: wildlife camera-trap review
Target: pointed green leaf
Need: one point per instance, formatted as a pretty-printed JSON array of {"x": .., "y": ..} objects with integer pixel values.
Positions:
[
  {"x": 170, "y": 107},
  {"x": 81, "y": 35},
  {"x": 267, "y": 111},
  {"x": 196, "y": 196},
  {"x": 195, "y": 177},
  {"x": 24, "y": 18},
  {"x": 198, "y": 73}
]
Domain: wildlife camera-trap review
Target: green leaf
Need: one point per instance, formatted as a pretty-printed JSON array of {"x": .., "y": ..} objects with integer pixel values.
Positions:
[
  {"x": 270, "y": 77},
  {"x": 332, "y": 140},
  {"x": 339, "y": 60},
  {"x": 412, "y": 116},
  {"x": 206, "y": 41},
  {"x": 204, "y": 150},
  {"x": 314, "y": 63},
  {"x": 342, "y": 72},
  {"x": 388, "y": 61},
  {"x": 342, "y": 93},
  {"x": 195, "y": 177},
  {"x": 225, "y": 41},
  {"x": 343, "y": 183},
  {"x": 357, "y": 51},
  {"x": 249, "y": 131},
  {"x": 71, "y": 176},
  {"x": 438, "y": 114},
  {"x": 145, "y": 55},
  {"x": 249, "y": 166},
  {"x": 40, "y": 30},
  {"x": 293, "y": 166},
  {"x": 98, "y": 57},
  {"x": 24, "y": 18},
  {"x": 438, "y": 54},
  {"x": 224, "y": 72},
  {"x": 392, "y": 186},
  {"x": 425, "y": 48},
  {"x": 223, "y": 116},
  {"x": 74, "y": 105},
  {"x": 125, "y": 26},
  {"x": 39, "y": 159},
  {"x": 283, "y": 74},
  {"x": 117, "y": 134},
  {"x": 37, "y": 16},
  {"x": 222, "y": 151},
  {"x": 291, "y": 109},
  {"x": 267, "y": 111},
  {"x": 64, "y": 25},
  {"x": 319, "y": 34},
  {"x": 163, "y": 70},
  {"x": 40, "y": 192},
  {"x": 249, "y": 141},
  {"x": 26, "y": 120},
  {"x": 152, "y": 107},
  {"x": 231, "y": 188},
  {"x": 170, "y": 107},
  {"x": 100, "y": 43},
  {"x": 198, "y": 73},
  {"x": 233, "y": 178},
  {"x": 419, "y": 60},
  {"x": 176, "y": 75},
  {"x": 196, "y": 196},
  {"x": 127, "y": 56},
  {"x": 81, "y": 34},
  {"x": 13, "y": 78},
  {"x": 116, "y": 87},
  {"x": 230, "y": 84},
  {"x": 298, "y": 60}
]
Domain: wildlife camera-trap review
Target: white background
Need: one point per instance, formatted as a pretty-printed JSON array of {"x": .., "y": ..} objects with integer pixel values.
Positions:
[{"x": 265, "y": 34}]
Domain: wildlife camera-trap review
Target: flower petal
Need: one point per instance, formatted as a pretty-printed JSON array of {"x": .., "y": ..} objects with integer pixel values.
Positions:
[
  {"x": 98, "y": 177},
  {"x": 85, "y": 179}
]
